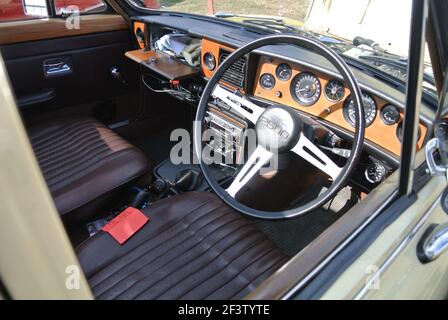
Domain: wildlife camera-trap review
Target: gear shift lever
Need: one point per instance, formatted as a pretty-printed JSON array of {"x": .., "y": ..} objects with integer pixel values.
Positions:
[{"x": 188, "y": 180}]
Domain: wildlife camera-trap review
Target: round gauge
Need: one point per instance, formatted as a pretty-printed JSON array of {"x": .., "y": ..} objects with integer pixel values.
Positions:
[
  {"x": 267, "y": 81},
  {"x": 369, "y": 110},
  {"x": 209, "y": 61},
  {"x": 390, "y": 115},
  {"x": 306, "y": 89},
  {"x": 375, "y": 172},
  {"x": 334, "y": 90},
  {"x": 283, "y": 72},
  {"x": 400, "y": 132}
]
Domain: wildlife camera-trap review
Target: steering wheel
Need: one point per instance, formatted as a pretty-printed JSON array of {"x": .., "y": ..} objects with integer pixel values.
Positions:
[{"x": 280, "y": 124}]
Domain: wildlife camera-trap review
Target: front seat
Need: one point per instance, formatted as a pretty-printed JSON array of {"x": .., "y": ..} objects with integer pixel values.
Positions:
[
  {"x": 193, "y": 247},
  {"x": 84, "y": 164}
]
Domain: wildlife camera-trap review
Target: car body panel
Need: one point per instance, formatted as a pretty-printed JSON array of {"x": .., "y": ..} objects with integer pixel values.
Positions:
[
  {"x": 390, "y": 268},
  {"x": 31, "y": 224},
  {"x": 392, "y": 255}
]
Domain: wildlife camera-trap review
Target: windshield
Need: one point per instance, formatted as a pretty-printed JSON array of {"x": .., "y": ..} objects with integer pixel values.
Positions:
[{"x": 373, "y": 33}]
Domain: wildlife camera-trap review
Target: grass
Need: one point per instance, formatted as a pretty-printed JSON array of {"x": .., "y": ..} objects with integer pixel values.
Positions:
[{"x": 294, "y": 9}]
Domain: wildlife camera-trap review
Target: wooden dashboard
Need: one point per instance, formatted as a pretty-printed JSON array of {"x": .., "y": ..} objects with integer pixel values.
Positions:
[
  {"x": 213, "y": 48},
  {"x": 378, "y": 132}
]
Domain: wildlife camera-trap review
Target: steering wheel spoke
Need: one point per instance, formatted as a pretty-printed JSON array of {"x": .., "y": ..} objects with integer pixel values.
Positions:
[
  {"x": 311, "y": 153},
  {"x": 253, "y": 165},
  {"x": 239, "y": 104}
]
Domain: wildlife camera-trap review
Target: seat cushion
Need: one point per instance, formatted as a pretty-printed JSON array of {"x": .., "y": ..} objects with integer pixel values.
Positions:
[
  {"x": 193, "y": 247},
  {"x": 83, "y": 160}
]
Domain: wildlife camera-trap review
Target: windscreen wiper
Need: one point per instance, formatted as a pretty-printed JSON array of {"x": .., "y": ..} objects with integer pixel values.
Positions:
[
  {"x": 266, "y": 23},
  {"x": 400, "y": 64}
]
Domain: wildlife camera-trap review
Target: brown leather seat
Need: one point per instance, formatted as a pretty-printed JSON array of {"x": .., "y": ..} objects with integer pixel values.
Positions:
[
  {"x": 83, "y": 163},
  {"x": 193, "y": 247}
]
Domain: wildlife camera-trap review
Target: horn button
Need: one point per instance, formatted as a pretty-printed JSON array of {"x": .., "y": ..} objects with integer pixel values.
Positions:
[{"x": 278, "y": 129}]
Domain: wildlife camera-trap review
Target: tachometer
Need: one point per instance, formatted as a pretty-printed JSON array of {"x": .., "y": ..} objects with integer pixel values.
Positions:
[
  {"x": 283, "y": 72},
  {"x": 334, "y": 90},
  {"x": 369, "y": 110},
  {"x": 306, "y": 89}
]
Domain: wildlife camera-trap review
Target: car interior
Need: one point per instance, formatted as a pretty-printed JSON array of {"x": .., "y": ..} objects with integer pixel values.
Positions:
[{"x": 102, "y": 109}]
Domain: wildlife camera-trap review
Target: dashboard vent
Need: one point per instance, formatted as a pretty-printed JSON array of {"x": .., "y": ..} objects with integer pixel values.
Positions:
[{"x": 235, "y": 74}]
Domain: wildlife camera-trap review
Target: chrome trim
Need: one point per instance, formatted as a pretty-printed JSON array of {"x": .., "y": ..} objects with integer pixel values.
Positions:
[
  {"x": 435, "y": 244},
  {"x": 398, "y": 249},
  {"x": 431, "y": 146}
]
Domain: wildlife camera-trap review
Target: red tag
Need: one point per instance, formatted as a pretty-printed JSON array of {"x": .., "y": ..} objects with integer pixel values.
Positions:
[{"x": 123, "y": 226}]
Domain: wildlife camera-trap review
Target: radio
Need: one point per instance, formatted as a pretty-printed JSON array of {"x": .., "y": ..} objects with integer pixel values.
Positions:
[{"x": 227, "y": 134}]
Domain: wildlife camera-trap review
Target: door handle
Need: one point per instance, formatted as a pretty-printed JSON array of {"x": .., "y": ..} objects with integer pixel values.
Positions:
[
  {"x": 433, "y": 243},
  {"x": 57, "y": 66}
]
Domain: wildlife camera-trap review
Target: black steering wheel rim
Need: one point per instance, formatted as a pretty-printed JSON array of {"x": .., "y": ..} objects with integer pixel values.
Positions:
[{"x": 356, "y": 95}]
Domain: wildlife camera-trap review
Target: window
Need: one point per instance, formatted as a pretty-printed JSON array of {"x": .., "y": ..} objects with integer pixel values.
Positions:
[
  {"x": 64, "y": 7},
  {"x": 11, "y": 10},
  {"x": 294, "y": 9}
]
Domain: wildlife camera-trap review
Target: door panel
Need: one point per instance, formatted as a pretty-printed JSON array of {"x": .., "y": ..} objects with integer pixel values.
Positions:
[{"x": 70, "y": 71}]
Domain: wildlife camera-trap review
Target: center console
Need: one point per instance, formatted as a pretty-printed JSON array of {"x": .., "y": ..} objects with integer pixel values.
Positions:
[{"x": 227, "y": 135}]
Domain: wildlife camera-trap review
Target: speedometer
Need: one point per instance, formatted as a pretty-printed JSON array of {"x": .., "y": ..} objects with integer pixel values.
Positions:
[
  {"x": 369, "y": 110},
  {"x": 306, "y": 89}
]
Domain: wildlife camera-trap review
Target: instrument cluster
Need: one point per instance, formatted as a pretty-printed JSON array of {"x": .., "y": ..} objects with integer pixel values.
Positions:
[
  {"x": 328, "y": 98},
  {"x": 306, "y": 90}
]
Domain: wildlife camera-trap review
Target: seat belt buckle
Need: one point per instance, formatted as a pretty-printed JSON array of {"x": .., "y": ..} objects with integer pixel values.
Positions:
[{"x": 126, "y": 224}]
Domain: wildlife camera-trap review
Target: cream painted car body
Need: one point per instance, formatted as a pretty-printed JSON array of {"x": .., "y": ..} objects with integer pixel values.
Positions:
[{"x": 390, "y": 268}]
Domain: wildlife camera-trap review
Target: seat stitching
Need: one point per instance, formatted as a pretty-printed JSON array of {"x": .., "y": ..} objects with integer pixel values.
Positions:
[
  {"x": 251, "y": 245},
  {"x": 61, "y": 133},
  {"x": 211, "y": 276},
  {"x": 77, "y": 152},
  {"x": 199, "y": 254},
  {"x": 79, "y": 139},
  {"x": 244, "y": 278},
  {"x": 274, "y": 266},
  {"x": 67, "y": 174},
  {"x": 144, "y": 242},
  {"x": 85, "y": 242},
  {"x": 45, "y": 135},
  {"x": 149, "y": 239},
  {"x": 86, "y": 152},
  {"x": 141, "y": 267},
  {"x": 58, "y": 139},
  {"x": 84, "y": 142}
]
